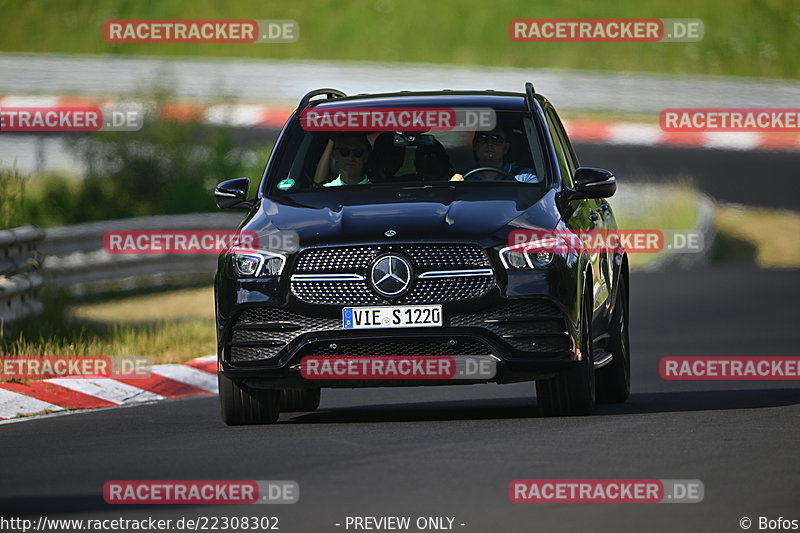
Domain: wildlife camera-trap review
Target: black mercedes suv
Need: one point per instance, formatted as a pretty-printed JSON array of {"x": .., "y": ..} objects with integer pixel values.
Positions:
[{"x": 359, "y": 218}]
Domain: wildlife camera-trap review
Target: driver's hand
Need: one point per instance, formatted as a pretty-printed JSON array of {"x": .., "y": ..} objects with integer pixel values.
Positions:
[{"x": 457, "y": 177}]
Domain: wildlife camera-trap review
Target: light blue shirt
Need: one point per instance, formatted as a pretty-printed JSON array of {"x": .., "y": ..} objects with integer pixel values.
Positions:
[{"x": 338, "y": 181}]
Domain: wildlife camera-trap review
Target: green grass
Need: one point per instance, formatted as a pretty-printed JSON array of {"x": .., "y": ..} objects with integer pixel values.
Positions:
[
  {"x": 12, "y": 191},
  {"x": 742, "y": 37},
  {"x": 667, "y": 207},
  {"x": 168, "y": 167},
  {"x": 769, "y": 238},
  {"x": 164, "y": 333}
]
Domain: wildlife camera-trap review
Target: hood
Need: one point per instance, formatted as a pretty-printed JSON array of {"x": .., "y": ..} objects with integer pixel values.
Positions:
[{"x": 474, "y": 214}]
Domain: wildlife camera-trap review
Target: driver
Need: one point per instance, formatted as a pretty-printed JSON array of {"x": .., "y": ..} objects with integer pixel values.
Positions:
[
  {"x": 490, "y": 149},
  {"x": 350, "y": 151}
]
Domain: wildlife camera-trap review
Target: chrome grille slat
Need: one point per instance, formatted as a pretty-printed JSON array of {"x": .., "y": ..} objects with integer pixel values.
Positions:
[
  {"x": 355, "y": 260},
  {"x": 334, "y": 260}
]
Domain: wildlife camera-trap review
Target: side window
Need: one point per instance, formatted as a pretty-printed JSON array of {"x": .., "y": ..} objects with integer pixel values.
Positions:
[
  {"x": 572, "y": 159},
  {"x": 566, "y": 171}
]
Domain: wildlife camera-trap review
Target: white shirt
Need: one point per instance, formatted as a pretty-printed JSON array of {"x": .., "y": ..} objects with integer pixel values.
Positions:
[{"x": 338, "y": 181}]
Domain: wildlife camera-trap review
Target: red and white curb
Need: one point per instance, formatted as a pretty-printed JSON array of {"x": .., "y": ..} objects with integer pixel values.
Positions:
[
  {"x": 637, "y": 133},
  {"x": 590, "y": 131},
  {"x": 198, "y": 376},
  {"x": 237, "y": 115}
]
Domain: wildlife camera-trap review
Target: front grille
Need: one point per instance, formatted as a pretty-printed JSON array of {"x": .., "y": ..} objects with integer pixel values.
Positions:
[
  {"x": 380, "y": 348},
  {"x": 334, "y": 260},
  {"x": 356, "y": 259},
  {"x": 424, "y": 291},
  {"x": 449, "y": 289},
  {"x": 529, "y": 325},
  {"x": 283, "y": 316},
  {"x": 245, "y": 354},
  {"x": 445, "y": 255},
  {"x": 423, "y": 257},
  {"x": 335, "y": 293},
  {"x": 274, "y": 326}
]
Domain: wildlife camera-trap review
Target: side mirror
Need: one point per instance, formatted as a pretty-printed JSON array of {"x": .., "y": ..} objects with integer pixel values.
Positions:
[
  {"x": 232, "y": 194},
  {"x": 593, "y": 183}
]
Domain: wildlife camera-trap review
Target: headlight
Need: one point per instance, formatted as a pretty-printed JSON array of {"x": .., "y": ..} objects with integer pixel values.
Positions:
[
  {"x": 520, "y": 258},
  {"x": 257, "y": 263},
  {"x": 540, "y": 259},
  {"x": 513, "y": 260}
]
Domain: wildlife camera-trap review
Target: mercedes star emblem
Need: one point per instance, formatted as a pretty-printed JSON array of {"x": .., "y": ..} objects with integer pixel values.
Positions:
[
  {"x": 390, "y": 233},
  {"x": 390, "y": 275}
]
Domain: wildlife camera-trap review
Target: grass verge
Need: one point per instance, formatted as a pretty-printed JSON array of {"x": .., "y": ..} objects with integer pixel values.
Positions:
[
  {"x": 169, "y": 327},
  {"x": 662, "y": 207},
  {"x": 769, "y": 238},
  {"x": 742, "y": 37}
]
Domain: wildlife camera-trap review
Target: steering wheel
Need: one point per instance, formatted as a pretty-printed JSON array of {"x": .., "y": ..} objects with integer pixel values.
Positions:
[{"x": 506, "y": 175}]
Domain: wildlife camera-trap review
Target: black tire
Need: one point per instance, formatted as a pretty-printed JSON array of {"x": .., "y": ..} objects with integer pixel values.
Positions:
[
  {"x": 244, "y": 406},
  {"x": 572, "y": 391},
  {"x": 614, "y": 379},
  {"x": 297, "y": 400}
]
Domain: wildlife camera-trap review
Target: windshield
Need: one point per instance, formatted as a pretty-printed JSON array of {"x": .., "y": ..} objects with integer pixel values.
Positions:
[{"x": 507, "y": 150}]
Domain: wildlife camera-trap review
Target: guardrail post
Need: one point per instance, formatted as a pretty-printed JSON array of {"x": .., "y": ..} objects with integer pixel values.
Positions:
[{"x": 19, "y": 276}]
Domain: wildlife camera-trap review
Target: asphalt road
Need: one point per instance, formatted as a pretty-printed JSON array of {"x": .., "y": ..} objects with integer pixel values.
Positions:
[
  {"x": 755, "y": 177},
  {"x": 453, "y": 451}
]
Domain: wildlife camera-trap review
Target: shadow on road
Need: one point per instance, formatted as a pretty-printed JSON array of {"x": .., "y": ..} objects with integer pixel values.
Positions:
[
  {"x": 510, "y": 408},
  {"x": 712, "y": 400}
]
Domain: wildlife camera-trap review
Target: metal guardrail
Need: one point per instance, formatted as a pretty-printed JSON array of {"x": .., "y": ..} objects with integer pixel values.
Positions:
[
  {"x": 74, "y": 257},
  {"x": 638, "y": 198},
  {"x": 19, "y": 276}
]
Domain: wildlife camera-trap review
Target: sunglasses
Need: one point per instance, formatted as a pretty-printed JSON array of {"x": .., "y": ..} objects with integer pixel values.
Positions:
[
  {"x": 345, "y": 152},
  {"x": 486, "y": 137}
]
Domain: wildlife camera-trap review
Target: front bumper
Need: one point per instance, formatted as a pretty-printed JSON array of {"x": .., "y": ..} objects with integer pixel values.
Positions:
[{"x": 530, "y": 338}]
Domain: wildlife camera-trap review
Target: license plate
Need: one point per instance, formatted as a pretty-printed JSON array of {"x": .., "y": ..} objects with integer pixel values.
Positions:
[{"x": 399, "y": 316}]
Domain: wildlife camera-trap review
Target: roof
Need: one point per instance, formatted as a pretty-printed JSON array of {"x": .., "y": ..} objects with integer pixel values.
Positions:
[{"x": 506, "y": 101}]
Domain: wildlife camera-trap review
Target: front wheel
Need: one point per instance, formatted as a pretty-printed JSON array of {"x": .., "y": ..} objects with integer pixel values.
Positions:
[
  {"x": 299, "y": 400},
  {"x": 614, "y": 379},
  {"x": 242, "y": 405},
  {"x": 571, "y": 392}
]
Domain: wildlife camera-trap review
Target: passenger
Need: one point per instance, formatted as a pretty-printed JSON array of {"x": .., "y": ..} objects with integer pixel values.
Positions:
[
  {"x": 386, "y": 158},
  {"x": 350, "y": 151},
  {"x": 490, "y": 149},
  {"x": 432, "y": 163}
]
